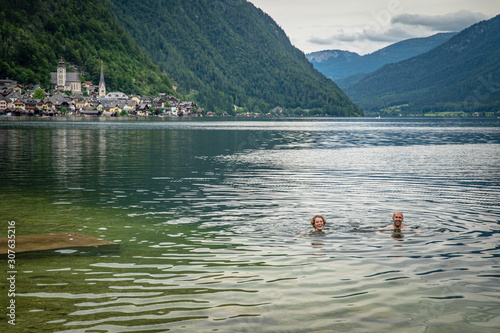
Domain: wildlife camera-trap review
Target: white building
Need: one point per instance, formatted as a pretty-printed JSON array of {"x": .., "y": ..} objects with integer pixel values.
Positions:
[{"x": 62, "y": 80}]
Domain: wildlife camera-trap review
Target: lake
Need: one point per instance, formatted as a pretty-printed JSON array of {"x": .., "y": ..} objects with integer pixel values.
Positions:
[{"x": 206, "y": 212}]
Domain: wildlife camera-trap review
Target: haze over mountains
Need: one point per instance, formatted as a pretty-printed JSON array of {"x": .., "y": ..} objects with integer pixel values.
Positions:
[
  {"x": 462, "y": 74},
  {"x": 338, "y": 64}
]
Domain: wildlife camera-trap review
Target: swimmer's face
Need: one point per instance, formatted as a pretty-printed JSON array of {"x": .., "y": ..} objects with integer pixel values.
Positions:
[
  {"x": 398, "y": 219},
  {"x": 318, "y": 224}
]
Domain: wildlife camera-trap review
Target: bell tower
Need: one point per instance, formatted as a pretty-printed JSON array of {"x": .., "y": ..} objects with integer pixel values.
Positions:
[
  {"x": 102, "y": 84},
  {"x": 61, "y": 75}
]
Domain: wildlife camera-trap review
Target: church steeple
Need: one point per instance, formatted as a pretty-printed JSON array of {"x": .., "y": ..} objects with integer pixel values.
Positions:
[
  {"x": 102, "y": 84},
  {"x": 61, "y": 75}
]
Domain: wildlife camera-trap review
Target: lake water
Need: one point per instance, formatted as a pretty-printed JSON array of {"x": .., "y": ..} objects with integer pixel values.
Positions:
[{"x": 206, "y": 213}]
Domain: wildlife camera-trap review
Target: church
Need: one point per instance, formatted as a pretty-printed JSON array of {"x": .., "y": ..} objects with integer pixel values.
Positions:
[{"x": 62, "y": 80}]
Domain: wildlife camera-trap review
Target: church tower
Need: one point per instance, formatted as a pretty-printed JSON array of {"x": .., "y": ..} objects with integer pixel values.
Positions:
[
  {"x": 102, "y": 84},
  {"x": 61, "y": 75}
]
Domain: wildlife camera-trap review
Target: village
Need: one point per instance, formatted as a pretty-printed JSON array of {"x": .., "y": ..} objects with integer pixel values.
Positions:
[{"x": 72, "y": 97}]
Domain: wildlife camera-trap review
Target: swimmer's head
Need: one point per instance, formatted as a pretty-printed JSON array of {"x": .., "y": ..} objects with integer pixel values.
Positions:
[
  {"x": 318, "y": 222},
  {"x": 398, "y": 218}
]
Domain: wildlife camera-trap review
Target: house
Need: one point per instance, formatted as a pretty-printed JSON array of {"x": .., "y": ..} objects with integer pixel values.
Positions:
[
  {"x": 6, "y": 111},
  {"x": 115, "y": 96},
  {"x": 5, "y": 91},
  {"x": 172, "y": 99},
  {"x": 18, "y": 89},
  {"x": 93, "y": 90},
  {"x": 3, "y": 103},
  {"x": 135, "y": 98},
  {"x": 131, "y": 104},
  {"x": 86, "y": 85},
  {"x": 114, "y": 109},
  {"x": 186, "y": 108},
  {"x": 49, "y": 106},
  {"x": 80, "y": 104},
  {"x": 58, "y": 99},
  {"x": 19, "y": 104},
  {"x": 96, "y": 113},
  {"x": 30, "y": 104},
  {"x": 65, "y": 105},
  {"x": 142, "y": 110},
  {"x": 84, "y": 103},
  {"x": 158, "y": 103},
  {"x": 14, "y": 95}
]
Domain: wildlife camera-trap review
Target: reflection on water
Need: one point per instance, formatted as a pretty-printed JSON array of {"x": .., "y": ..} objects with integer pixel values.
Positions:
[{"x": 206, "y": 214}]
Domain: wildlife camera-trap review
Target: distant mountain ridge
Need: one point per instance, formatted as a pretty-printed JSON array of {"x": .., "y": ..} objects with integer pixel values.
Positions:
[
  {"x": 463, "y": 74},
  {"x": 338, "y": 65}
]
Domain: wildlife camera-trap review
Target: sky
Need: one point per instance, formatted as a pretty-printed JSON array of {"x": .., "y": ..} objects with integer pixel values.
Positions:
[{"x": 364, "y": 26}]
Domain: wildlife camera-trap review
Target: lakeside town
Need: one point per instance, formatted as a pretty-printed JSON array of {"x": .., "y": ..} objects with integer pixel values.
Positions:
[{"x": 72, "y": 97}]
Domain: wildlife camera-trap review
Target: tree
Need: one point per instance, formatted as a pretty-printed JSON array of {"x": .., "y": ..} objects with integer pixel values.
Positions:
[{"x": 39, "y": 94}]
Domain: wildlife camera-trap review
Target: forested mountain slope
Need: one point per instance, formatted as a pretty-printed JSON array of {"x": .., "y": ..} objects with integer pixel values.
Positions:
[
  {"x": 227, "y": 53},
  {"x": 220, "y": 53},
  {"x": 36, "y": 34},
  {"x": 337, "y": 64},
  {"x": 462, "y": 74}
]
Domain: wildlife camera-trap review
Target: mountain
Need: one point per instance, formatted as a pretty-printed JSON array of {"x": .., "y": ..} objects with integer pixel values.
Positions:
[
  {"x": 227, "y": 54},
  {"x": 338, "y": 65},
  {"x": 36, "y": 34},
  {"x": 462, "y": 74},
  {"x": 223, "y": 54}
]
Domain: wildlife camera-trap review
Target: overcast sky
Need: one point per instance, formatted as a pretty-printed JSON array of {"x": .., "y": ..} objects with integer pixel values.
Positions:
[{"x": 364, "y": 26}]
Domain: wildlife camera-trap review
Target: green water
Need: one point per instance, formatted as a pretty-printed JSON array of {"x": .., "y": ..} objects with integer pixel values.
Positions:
[{"x": 205, "y": 213}]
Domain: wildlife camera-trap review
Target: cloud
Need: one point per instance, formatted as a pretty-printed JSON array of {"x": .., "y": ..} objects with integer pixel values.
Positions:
[
  {"x": 366, "y": 33},
  {"x": 449, "y": 22},
  {"x": 321, "y": 41},
  {"x": 395, "y": 29},
  {"x": 391, "y": 34}
]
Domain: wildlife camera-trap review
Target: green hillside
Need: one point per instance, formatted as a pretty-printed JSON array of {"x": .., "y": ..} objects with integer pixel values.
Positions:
[
  {"x": 222, "y": 53},
  {"x": 462, "y": 74},
  {"x": 35, "y": 34},
  {"x": 228, "y": 53}
]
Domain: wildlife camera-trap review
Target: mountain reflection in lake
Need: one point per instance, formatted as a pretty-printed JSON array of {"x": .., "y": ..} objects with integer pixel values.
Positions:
[{"x": 206, "y": 213}]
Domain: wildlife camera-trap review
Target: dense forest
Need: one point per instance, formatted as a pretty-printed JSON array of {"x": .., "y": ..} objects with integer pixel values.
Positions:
[
  {"x": 36, "y": 34},
  {"x": 462, "y": 74},
  {"x": 223, "y": 54},
  {"x": 228, "y": 53}
]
